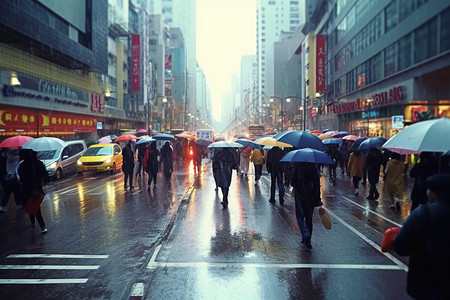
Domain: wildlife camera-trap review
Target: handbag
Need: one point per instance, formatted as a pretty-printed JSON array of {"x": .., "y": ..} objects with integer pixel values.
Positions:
[
  {"x": 388, "y": 239},
  {"x": 34, "y": 203},
  {"x": 325, "y": 218}
]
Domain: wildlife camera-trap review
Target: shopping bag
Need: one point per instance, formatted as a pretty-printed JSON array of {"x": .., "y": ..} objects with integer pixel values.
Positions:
[
  {"x": 388, "y": 239},
  {"x": 34, "y": 203},
  {"x": 325, "y": 218}
]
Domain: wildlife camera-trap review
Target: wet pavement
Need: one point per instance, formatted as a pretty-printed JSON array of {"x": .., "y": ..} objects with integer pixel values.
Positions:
[{"x": 178, "y": 242}]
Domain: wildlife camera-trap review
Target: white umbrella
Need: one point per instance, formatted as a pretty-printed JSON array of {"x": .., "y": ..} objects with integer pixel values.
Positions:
[
  {"x": 224, "y": 144},
  {"x": 431, "y": 136},
  {"x": 44, "y": 144}
]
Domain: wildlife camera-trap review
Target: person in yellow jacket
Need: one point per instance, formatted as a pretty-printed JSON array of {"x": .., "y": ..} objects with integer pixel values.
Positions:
[
  {"x": 258, "y": 159},
  {"x": 355, "y": 168},
  {"x": 394, "y": 179}
]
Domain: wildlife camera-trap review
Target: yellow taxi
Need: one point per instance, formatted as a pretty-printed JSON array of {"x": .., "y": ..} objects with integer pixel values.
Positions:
[{"x": 100, "y": 158}]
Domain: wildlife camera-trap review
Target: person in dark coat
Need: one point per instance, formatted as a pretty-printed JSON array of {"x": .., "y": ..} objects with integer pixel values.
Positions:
[
  {"x": 151, "y": 164},
  {"x": 9, "y": 178},
  {"x": 140, "y": 152},
  {"x": 224, "y": 160},
  {"x": 333, "y": 152},
  {"x": 421, "y": 171},
  {"x": 167, "y": 159},
  {"x": 344, "y": 155},
  {"x": 424, "y": 237},
  {"x": 306, "y": 183},
  {"x": 275, "y": 168},
  {"x": 374, "y": 160},
  {"x": 128, "y": 165},
  {"x": 32, "y": 173}
]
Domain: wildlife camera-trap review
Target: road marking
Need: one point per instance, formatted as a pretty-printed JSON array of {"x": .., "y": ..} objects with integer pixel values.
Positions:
[
  {"x": 137, "y": 292},
  {"x": 55, "y": 256},
  {"x": 371, "y": 211},
  {"x": 47, "y": 267},
  {"x": 42, "y": 281},
  {"x": 400, "y": 264},
  {"x": 154, "y": 255}
]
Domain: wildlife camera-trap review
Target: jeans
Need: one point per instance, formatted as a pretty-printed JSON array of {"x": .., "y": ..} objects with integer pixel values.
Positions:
[
  {"x": 356, "y": 180},
  {"x": 373, "y": 192},
  {"x": 258, "y": 171},
  {"x": 39, "y": 219},
  {"x": 304, "y": 219},
  {"x": 276, "y": 179}
]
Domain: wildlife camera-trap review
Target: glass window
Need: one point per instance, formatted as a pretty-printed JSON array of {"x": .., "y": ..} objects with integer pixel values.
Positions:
[
  {"x": 445, "y": 31},
  {"x": 405, "y": 8},
  {"x": 391, "y": 16},
  {"x": 404, "y": 52},
  {"x": 362, "y": 7},
  {"x": 425, "y": 41},
  {"x": 421, "y": 2},
  {"x": 351, "y": 18},
  {"x": 390, "y": 60},
  {"x": 376, "y": 68},
  {"x": 351, "y": 81},
  {"x": 361, "y": 75}
]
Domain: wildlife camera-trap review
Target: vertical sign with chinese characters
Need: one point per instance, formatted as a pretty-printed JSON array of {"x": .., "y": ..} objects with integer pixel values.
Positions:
[
  {"x": 135, "y": 63},
  {"x": 97, "y": 102},
  {"x": 320, "y": 63}
]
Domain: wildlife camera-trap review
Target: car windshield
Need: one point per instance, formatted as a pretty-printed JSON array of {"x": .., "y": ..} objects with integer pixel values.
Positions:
[
  {"x": 50, "y": 154},
  {"x": 98, "y": 151}
]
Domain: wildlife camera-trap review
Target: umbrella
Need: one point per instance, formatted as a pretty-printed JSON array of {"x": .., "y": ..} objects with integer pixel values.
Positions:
[
  {"x": 431, "y": 136},
  {"x": 332, "y": 141},
  {"x": 125, "y": 137},
  {"x": 300, "y": 139},
  {"x": 350, "y": 137},
  {"x": 270, "y": 132},
  {"x": 144, "y": 140},
  {"x": 331, "y": 132},
  {"x": 203, "y": 142},
  {"x": 247, "y": 143},
  {"x": 44, "y": 144},
  {"x": 240, "y": 136},
  {"x": 163, "y": 136},
  {"x": 337, "y": 134},
  {"x": 223, "y": 144},
  {"x": 356, "y": 143},
  {"x": 185, "y": 135},
  {"x": 343, "y": 132},
  {"x": 15, "y": 141},
  {"x": 326, "y": 130},
  {"x": 112, "y": 137},
  {"x": 270, "y": 141},
  {"x": 315, "y": 131},
  {"x": 104, "y": 140},
  {"x": 324, "y": 136},
  {"x": 219, "y": 138},
  {"x": 267, "y": 147},
  {"x": 373, "y": 142},
  {"x": 141, "y": 131},
  {"x": 308, "y": 155}
]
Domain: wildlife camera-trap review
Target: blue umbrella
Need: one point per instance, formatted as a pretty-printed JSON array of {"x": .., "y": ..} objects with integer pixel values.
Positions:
[
  {"x": 343, "y": 133},
  {"x": 308, "y": 155},
  {"x": 163, "y": 136},
  {"x": 247, "y": 143},
  {"x": 143, "y": 141},
  {"x": 373, "y": 142},
  {"x": 356, "y": 143},
  {"x": 325, "y": 130},
  {"x": 300, "y": 139},
  {"x": 332, "y": 141}
]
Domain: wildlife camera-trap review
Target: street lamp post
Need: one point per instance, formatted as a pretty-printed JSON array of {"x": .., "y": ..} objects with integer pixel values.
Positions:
[
  {"x": 282, "y": 108},
  {"x": 288, "y": 99},
  {"x": 149, "y": 103}
]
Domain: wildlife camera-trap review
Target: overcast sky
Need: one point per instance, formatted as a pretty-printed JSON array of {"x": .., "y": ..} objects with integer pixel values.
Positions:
[{"x": 226, "y": 30}]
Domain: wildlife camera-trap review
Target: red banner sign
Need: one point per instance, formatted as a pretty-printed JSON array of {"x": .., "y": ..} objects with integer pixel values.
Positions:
[
  {"x": 98, "y": 102},
  {"x": 135, "y": 62},
  {"x": 320, "y": 63}
]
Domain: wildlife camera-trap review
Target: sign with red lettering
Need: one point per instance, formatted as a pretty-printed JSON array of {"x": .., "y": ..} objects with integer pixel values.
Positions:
[
  {"x": 135, "y": 62},
  {"x": 320, "y": 63},
  {"x": 313, "y": 112},
  {"x": 97, "y": 102}
]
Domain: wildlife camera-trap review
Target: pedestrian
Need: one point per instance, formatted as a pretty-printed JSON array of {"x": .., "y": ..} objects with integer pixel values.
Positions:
[
  {"x": 355, "y": 167},
  {"x": 343, "y": 157},
  {"x": 140, "y": 152},
  {"x": 32, "y": 173},
  {"x": 306, "y": 183},
  {"x": 394, "y": 179},
  {"x": 151, "y": 164},
  {"x": 424, "y": 237},
  {"x": 10, "y": 178},
  {"x": 421, "y": 171},
  {"x": 333, "y": 152},
  {"x": 224, "y": 159},
  {"x": 128, "y": 165},
  {"x": 373, "y": 163},
  {"x": 258, "y": 159},
  {"x": 386, "y": 156},
  {"x": 197, "y": 156},
  {"x": 244, "y": 160},
  {"x": 287, "y": 168},
  {"x": 274, "y": 167},
  {"x": 179, "y": 152},
  {"x": 167, "y": 159}
]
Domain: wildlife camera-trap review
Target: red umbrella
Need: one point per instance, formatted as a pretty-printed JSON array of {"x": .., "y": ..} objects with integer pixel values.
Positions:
[
  {"x": 141, "y": 131},
  {"x": 350, "y": 137},
  {"x": 15, "y": 141},
  {"x": 315, "y": 131},
  {"x": 125, "y": 137}
]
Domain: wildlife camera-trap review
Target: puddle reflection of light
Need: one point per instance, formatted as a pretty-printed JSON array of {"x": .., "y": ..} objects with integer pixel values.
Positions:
[
  {"x": 81, "y": 201},
  {"x": 111, "y": 197},
  {"x": 56, "y": 204}
]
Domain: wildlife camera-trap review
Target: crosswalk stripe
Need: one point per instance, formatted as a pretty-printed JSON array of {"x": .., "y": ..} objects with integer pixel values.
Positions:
[
  {"x": 47, "y": 267},
  {"x": 42, "y": 281},
  {"x": 55, "y": 256}
]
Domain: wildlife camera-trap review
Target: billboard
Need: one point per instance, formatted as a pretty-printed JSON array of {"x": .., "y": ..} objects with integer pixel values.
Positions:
[
  {"x": 320, "y": 63},
  {"x": 135, "y": 63}
]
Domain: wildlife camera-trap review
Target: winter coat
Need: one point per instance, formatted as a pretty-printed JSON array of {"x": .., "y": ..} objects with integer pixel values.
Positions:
[
  {"x": 424, "y": 237},
  {"x": 151, "y": 159},
  {"x": 128, "y": 160},
  {"x": 305, "y": 180},
  {"x": 394, "y": 176},
  {"x": 273, "y": 160},
  {"x": 223, "y": 161},
  {"x": 421, "y": 171},
  {"x": 356, "y": 164},
  {"x": 167, "y": 156},
  {"x": 374, "y": 160},
  {"x": 32, "y": 173},
  {"x": 257, "y": 157}
]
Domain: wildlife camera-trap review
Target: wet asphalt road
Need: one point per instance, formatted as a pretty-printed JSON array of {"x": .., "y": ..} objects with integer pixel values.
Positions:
[{"x": 177, "y": 242}]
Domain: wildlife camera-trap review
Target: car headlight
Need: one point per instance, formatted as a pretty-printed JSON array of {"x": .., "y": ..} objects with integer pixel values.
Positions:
[
  {"x": 108, "y": 160},
  {"x": 53, "y": 165},
  {"x": 79, "y": 162}
]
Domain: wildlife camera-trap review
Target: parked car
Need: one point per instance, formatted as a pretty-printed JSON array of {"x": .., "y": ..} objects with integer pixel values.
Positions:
[
  {"x": 101, "y": 158},
  {"x": 62, "y": 161}
]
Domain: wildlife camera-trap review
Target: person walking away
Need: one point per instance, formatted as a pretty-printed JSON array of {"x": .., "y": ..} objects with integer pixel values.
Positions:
[
  {"x": 274, "y": 167},
  {"x": 10, "y": 178},
  {"x": 258, "y": 159},
  {"x": 421, "y": 171},
  {"x": 373, "y": 163},
  {"x": 224, "y": 158},
  {"x": 128, "y": 165},
  {"x": 355, "y": 167},
  {"x": 343, "y": 157},
  {"x": 151, "y": 164},
  {"x": 306, "y": 183},
  {"x": 140, "y": 152},
  {"x": 197, "y": 156},
  {"x": 333, "y": 152},
  {"x": 32, "y": 173},
  {"x": 244, "y": 161},
  {"x": 394, "y": 179},
  {"x": 167, "y": 159},
  {"x": 424, "y": 237},
  {"x": 287, "y": 168},
  {"x": 215, "y": 167},
  {"x": 386, "y": 156},
  {"x": 179, "y": 152}
]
